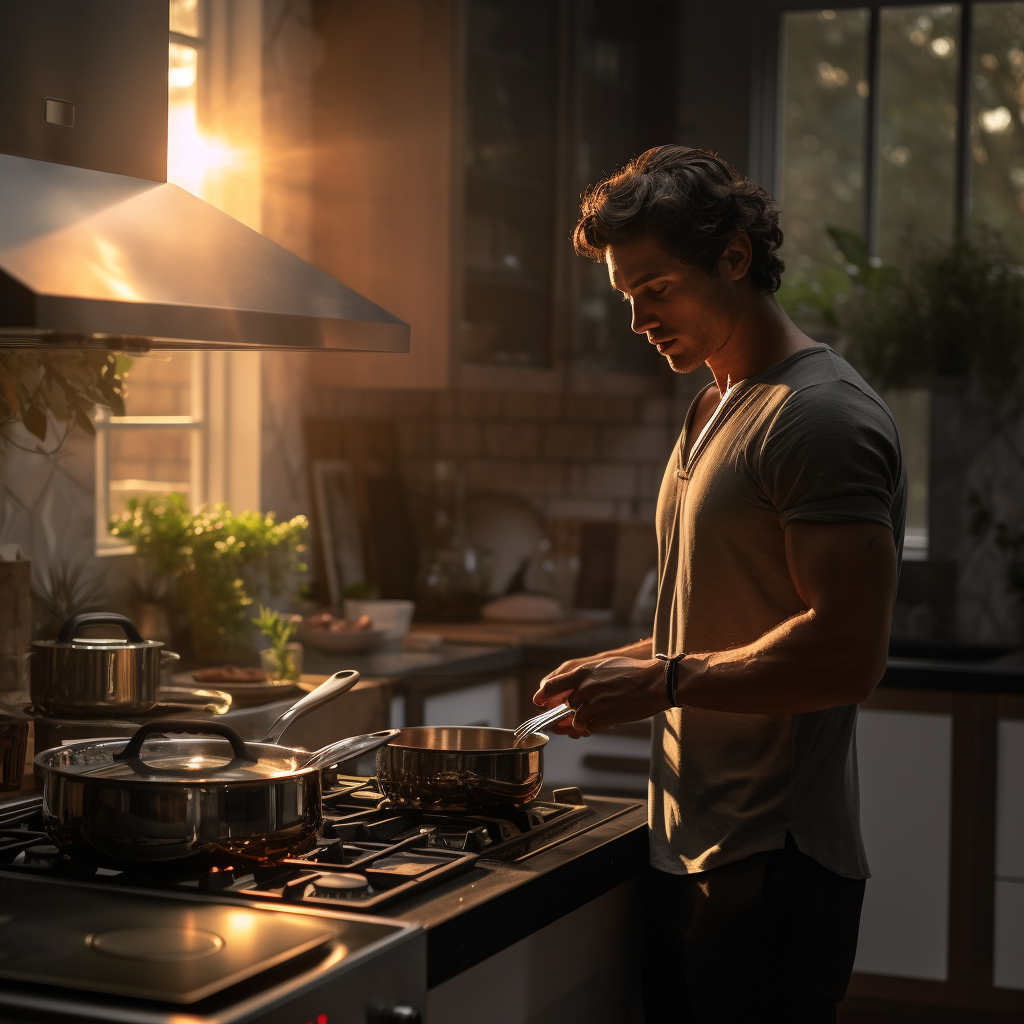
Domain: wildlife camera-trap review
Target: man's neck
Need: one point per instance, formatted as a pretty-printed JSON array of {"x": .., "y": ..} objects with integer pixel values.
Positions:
[{"x": 762, "y": 336}]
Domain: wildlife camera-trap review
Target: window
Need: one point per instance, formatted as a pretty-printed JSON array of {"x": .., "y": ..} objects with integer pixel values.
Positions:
[
  {"x": 904, "y": 124},
  {"x": 193, "y": 418}
]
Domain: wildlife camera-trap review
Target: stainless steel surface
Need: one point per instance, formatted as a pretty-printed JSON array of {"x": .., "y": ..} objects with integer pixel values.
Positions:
[
  {"x": 107, "y": 59},
  {"x": 538, "y": 722},
  {"x": 189, "y": 800},
  {"x": 124, "y": 260},
  {"x": 72, "y": 677},
  {"x": 461, "y": 769},
  {"x": 330, "y": 688}
]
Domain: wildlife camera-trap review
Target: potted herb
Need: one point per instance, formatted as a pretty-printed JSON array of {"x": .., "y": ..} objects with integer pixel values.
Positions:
[
  {"x": 283, "y": 659},
  {"x": 216, "y": 558}
]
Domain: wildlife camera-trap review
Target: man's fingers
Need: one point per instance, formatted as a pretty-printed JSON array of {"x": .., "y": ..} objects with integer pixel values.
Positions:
[{"x": 557, "y": 686}]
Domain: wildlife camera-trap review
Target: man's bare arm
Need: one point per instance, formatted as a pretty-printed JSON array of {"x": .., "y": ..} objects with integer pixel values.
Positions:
[{"x": 831, "y": 654}]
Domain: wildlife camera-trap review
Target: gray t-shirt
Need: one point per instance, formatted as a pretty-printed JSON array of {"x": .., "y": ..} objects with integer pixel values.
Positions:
[{"x": 805, "y": 439}]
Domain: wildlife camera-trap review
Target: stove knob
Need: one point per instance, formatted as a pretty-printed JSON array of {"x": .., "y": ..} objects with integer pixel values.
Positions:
[{"x": 400, "y": 1015}]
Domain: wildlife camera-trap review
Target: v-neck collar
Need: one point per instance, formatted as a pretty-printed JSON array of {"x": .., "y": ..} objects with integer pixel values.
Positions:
[{"x": 687, "y": 459}]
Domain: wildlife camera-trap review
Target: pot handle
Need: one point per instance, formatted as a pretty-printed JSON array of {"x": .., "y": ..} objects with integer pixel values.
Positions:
[
  {"x": 76, "y": 622},
  {"x": 338, "y": 684},
  {"x": 133, "y": 748},
  {"x": 350, "y": 747}
]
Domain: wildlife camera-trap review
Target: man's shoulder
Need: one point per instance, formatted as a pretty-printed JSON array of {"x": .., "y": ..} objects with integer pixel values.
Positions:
[{"x": 822, "y": 382}]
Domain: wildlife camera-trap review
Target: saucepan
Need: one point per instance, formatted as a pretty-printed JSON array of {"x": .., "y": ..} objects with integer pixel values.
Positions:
[
  {"x": 75, "y": 677},
  {"x": 449, "y": 768},
  {"x": 207, "y": 798}
]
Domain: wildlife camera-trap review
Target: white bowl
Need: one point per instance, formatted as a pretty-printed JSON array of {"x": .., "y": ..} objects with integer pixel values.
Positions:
[{"x": 392, "y": 618}]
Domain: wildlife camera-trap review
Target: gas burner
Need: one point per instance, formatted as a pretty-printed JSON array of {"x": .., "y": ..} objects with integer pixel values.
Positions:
[{"x": 369, "y": 854}]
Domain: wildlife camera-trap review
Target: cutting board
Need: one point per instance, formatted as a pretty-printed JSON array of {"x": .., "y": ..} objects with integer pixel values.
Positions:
[{"x": 503, "y": 634}]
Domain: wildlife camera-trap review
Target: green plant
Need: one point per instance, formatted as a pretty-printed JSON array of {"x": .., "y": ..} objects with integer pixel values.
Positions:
[
  {"x": 216, "y": 557},
  {"x": 64, "y": 383},
  {"x": 279, "y": 630},
  {"x": 957, "y": 311}
]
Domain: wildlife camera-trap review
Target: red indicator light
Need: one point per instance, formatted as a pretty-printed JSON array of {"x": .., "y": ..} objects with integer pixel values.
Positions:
[{"x": 321, "y": 1018}]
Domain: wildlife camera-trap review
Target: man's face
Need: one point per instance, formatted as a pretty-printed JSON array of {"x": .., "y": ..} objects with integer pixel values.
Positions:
[{"x": 687, "y": 313}]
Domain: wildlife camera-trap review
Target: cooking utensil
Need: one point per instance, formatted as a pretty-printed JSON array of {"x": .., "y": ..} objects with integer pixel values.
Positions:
[
  {"x": 75, "y": 677},
  {"x": 538, "y": 722},
  {"x": 447, "y": 768},
  {"x": 193, "y": 801}
]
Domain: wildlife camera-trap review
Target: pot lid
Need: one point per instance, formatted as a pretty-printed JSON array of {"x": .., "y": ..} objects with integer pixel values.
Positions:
[{"x": 187, "y": 760}]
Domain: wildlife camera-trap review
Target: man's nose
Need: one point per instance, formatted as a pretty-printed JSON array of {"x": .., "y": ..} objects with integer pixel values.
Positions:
[{"x": 643, "y": 319}]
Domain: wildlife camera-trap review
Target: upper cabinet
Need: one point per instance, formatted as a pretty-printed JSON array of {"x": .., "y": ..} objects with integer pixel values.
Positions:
[{"x": 451, "y": 142}]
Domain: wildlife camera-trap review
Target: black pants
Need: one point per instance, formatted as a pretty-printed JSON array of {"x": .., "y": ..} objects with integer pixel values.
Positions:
[{"x": 768, "y": 938}]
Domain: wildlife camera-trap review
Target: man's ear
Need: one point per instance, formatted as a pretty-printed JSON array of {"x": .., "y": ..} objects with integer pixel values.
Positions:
[{"x": 735, "y": 259}]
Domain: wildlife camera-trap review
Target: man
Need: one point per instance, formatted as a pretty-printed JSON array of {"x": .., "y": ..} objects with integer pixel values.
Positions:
[{"x": 780, "y": 525}]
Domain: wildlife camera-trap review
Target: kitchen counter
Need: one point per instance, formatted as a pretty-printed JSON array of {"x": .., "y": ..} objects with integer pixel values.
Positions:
[
  {"x": 397, "y": 663},
  {"x": 477, "y": 915}
]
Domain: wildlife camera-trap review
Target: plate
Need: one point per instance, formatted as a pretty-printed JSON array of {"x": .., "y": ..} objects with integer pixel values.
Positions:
[
  {"x": 340, "y": 643},
  {"x": 244, "y": 695}
]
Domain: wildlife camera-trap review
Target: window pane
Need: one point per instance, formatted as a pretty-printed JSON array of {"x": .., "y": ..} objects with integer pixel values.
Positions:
[
  {"x": 917, "y": 132},
  {"x": 824, "y": 111},
  {"x": 185, "y": 163},
  {"x": 185, "y": 17},
  {"x": 160, "y": 385},
  {"x": 997, "y": 121},
  {"x": 150, "y": 460}
]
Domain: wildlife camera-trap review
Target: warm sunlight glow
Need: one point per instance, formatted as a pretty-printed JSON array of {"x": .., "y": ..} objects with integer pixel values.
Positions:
[{"x": 191, "y": 156}]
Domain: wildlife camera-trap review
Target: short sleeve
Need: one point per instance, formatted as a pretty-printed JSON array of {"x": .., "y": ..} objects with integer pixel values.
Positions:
[{"x": 832, "y": 455}]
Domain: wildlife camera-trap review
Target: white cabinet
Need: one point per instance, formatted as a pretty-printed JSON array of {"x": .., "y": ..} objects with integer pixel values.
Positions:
[
  {"x": 1008, "y": 952},
  {"x": 564, "y": 763},
  {"x": 905, "y": 760},
  {"x": 480, "y": 704}
]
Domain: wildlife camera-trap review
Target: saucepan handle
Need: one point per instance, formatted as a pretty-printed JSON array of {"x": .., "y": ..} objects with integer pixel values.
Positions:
[
  {"x": 348, "y": 748},
  {"x": 132, "y": 750},
  {"x": 76, "y": 622}
]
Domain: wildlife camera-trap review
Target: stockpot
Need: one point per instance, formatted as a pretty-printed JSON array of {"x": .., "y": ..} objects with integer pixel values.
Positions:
[
  {"x": 210, "y": 798},
  {"x": 448, "y": 768},
  {"x": 76, "y": 677}
]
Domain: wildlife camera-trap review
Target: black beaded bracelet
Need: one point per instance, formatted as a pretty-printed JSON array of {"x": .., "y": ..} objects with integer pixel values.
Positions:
[{"x": 671, "y": 673}]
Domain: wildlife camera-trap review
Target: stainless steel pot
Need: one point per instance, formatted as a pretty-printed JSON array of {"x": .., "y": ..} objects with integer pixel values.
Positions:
[
  {"x": 444, "y": 768},
  {"x": 192, "y": 802},
  {"x": 74, "y": 677}
]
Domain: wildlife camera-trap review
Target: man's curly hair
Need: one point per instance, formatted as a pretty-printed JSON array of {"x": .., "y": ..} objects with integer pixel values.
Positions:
[{"x": 693, "y": 202}]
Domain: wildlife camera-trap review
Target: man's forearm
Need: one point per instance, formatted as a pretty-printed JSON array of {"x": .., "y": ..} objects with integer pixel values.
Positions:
[{"x": 801, "y": 665}]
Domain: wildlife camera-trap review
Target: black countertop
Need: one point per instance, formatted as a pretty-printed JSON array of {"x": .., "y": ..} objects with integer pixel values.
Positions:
[{"x": 496, "y": 904}]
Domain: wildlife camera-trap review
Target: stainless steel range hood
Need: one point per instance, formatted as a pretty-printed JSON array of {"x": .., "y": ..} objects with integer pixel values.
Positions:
[{"x": 96, "y": 248}]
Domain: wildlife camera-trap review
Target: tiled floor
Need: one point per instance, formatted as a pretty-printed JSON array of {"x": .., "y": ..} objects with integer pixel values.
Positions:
[{"x": 876, "y": 1011}]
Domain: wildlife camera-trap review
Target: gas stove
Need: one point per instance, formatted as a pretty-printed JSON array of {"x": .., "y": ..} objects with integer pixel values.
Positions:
[{"x": 369, "y": 856}]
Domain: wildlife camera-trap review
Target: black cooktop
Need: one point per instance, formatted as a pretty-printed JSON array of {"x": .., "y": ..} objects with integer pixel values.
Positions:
[
  {"x": 151, "y": 946},
  {"x": 369, "y": 855}
]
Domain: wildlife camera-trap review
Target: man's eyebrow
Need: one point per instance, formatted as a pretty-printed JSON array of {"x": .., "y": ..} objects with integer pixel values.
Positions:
[{"x": 647, "y": 277}]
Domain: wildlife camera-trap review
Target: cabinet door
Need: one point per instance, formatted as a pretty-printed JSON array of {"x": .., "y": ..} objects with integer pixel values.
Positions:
[
  {"x": 481, "y": 704},
  {"x": 1008, "y": 965},
  {"x": 905, "y": 760}
]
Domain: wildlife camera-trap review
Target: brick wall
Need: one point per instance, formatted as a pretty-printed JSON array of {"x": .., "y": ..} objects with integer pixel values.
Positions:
[{"x": 598, "y": 457}]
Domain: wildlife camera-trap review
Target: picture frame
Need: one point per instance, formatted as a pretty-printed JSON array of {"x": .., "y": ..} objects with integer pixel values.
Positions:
[{"x": 338, "y": 521}]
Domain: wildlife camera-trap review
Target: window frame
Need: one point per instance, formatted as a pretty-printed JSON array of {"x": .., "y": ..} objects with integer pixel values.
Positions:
[
  {"x": 197, "y": 422},
  {"x": 766, "y": 153}
]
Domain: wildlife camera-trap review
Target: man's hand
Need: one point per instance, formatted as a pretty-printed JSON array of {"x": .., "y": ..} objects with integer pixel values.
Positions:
[{"x": 605, "y": 690}]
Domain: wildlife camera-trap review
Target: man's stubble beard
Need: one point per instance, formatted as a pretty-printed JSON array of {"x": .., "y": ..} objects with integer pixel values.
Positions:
[{"x": 693, "y": 357}]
